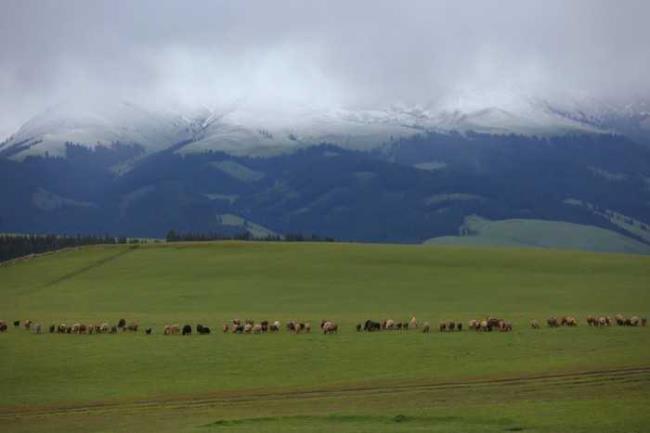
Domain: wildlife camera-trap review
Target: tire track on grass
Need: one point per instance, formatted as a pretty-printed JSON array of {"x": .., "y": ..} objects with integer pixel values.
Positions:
[
  {"x": 517, "y": 384},
  {"x": 94, "y": 265}
]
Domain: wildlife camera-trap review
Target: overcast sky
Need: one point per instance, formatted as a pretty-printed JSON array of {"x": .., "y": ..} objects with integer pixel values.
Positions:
[{"x": 322, "y": 54}]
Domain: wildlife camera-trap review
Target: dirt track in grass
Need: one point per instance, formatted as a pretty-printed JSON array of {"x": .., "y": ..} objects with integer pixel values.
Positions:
[{"x": 537, "y": 386}]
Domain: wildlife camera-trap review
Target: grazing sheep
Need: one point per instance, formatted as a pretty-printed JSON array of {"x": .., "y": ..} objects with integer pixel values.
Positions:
[
  {"x": 265, "y": 325},
  {"x": 52, "y": 329},
  {"x": 224, "y": 328},
  {"x": 413, "y": 323},
  {"x": 552, "y": 322},
  {"x": 91, "y": 328},
  {"x": 36, "y": 328},
  {"x": 60, "y": 329},
  {"x": 634, "y": 321},
  {"x": 27, "y": 324},
  {"x": 237, "y": 329},
  {"x": 426, "y": 328},
  {"x": 104, "y": 328},
  {"x": 474, "y": 324},
  {"x": 358, "y": 327},
  {"x": 147, "y": 331},
  {"x": 399, "y": 326},
  {"x": 75, "y": 328},
  {"x": 442, "y": 326},
  {"x": 371, "y": 326},
  {"x": 459, "y": 326},
  {"x": 133, "y": 327},
  {"x": 257, "y": 329},
  {"x": 329, "y": 327},
  {"x": 484, "y": 326},
  {"x": 602, "y": 321},
  {"x": 390, "y": 324},
  {"x": 113, "y": 329},
  {"x": 307, "y": 327},
  {"x": 3, "y": 326},
  {"x": 451, "y": 325},
  {"x": 620, "y": 320},
  {"x": 187, "y": 330},
  {"x": 121, "y": 324},
  {"x": 534, "y": 324},
  {"x": 202, "y": 330},
  {"x": 571, "y": 321},
  {"x": 275, "y": 326},
  {"x": 248, "y": 327},
  {"x": 16, "y": 323}
]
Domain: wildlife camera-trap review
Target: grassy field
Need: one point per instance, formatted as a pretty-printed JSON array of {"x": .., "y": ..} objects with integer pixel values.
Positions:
[
  {"x": 543, "y": 234},
  {"x": 551, "y": 380}
]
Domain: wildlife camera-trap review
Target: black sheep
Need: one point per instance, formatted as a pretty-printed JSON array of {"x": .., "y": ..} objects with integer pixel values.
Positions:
[{"x": 187, "y": 330}]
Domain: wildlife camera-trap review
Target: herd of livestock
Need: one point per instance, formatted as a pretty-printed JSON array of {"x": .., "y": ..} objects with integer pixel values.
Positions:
[{"x": 237, "y": 326}]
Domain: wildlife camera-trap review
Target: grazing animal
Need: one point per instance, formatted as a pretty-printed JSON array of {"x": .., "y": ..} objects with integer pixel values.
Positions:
[
  {"x": 426, "y": 328},
  {"x": 620, "y": 320},
  {"x": 27, "y": 324},
  {"x": 36, "y": 328},
  {"x": 3, "y": 326},
  {"x": 275, "y": 326},
  {"x": 451, "y": 325},
  {"x": 75, "y": 328},
  {"x": 16, "y": 323},
  {"x": 358, "y": 327},
  {"x": 442, "y": 326},
  {"x": 552, "y": 322},
  {"x": 248, "y": 327},
  {"x": 224, "y": 328},
  {"x": 329, "y": 327},
  {"x": 133, "y": 327},
  {"x": 91, "y": 328},
  {"x": 147, "y": 331},
  {"x": 237, "y": 329},
  {"x": 459, "y": 326},
  {"x": 474, "y": 324},
  {"x": 113, "y": 329},
  {"x": 187, "y": 330},
  {"x": 484, "y": 326},
  {"x": 413, "y": 323},
  {"x": 265, "y": 325},
  {"x": 202, "y": 330},
  {"x": 307, "y": 327},
  {"x": 390, "y": 324},
  {"x": 634, "y": 321},
  {"x": 534, "y": 324},
  {"x": 602, "y": 321},
  {"x": 199, "y": 327},
  {"x": 104, "y": 328},
  {"x": 399, "y": 326},
  {"x": 371, "y": 326},
  {"x": 52, "y": 329},
  {"x": 257, "y": 328},
  {"x": 121, "y": 324},
  {"x": 82, "y": 329}
]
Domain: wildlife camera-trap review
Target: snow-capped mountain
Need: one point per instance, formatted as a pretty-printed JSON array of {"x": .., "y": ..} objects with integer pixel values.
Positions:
[{"x": 245, "y": 130}]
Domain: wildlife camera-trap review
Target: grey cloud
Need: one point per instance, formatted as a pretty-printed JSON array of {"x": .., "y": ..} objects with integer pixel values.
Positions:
[{"x": 330, "y": 53}]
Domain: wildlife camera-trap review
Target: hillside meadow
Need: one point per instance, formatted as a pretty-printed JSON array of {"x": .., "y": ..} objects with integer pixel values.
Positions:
[{"x": 545, "y": 380}]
